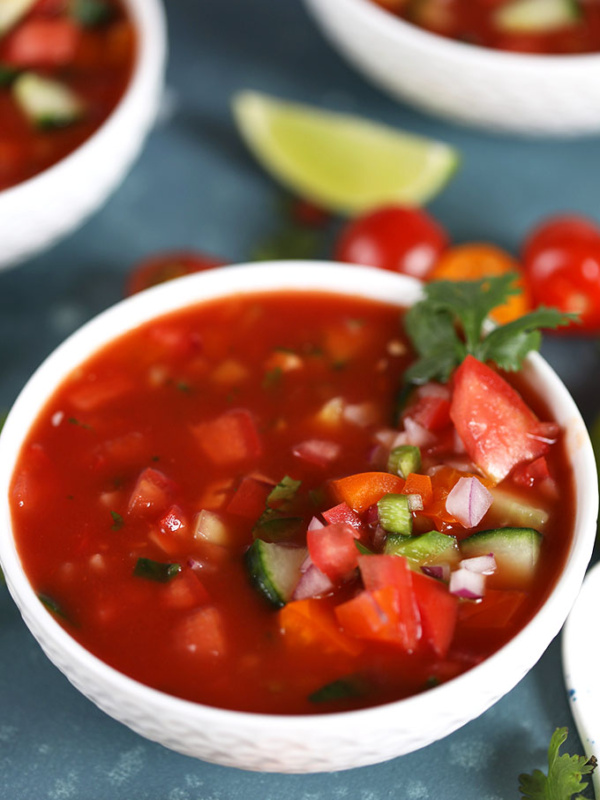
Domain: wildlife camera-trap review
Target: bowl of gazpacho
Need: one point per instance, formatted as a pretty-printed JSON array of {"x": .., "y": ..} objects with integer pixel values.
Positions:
[
  {"x": 284, "y": 517},
  {"x": 80, "y": 83},
  {"x": 522, "y": 66}
]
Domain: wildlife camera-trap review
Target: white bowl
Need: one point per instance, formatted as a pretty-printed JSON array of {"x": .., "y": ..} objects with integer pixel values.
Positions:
[
  {"x": 528, "y": 94},
  {"x": 37, "y": 212},
  {"x": 288, "y": 743}
]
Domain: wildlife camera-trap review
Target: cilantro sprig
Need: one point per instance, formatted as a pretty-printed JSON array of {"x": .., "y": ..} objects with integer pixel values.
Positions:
[
  {"x": 565, "y": 773},
  {"x": 449, "y": 324}
]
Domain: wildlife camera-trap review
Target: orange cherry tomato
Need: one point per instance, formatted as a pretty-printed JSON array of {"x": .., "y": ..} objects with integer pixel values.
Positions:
[{"x": 472, "y": 262}]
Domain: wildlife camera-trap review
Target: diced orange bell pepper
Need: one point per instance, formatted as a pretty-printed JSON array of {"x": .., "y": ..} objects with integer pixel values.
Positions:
[
  {"x": 419, "y": 484},
  {"x": 311, "y": 622},
  {"x": 362, "y": 490}
]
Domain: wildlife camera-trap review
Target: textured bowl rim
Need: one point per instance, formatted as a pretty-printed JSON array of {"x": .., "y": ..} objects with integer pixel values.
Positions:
[
  {"x": 150, "y": 25},
  {"x": 392, "y": 27},
  {"x": 275, "y": 276}
]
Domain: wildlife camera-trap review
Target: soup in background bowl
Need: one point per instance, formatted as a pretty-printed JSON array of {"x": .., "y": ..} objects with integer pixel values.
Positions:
[{"x": 238, "y": 560}]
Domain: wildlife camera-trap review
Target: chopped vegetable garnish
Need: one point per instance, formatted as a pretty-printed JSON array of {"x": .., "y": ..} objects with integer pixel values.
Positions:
[
  {"x": 565, "y": 774},
  {"x": 448, "y": 325},
  {"x": 117, "y": 521},
  {"x": 156, "y": 570}
]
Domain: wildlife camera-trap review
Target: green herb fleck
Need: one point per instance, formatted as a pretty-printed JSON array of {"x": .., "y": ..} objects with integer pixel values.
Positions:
[
  {"x": 156, "y": 570},
  {"x": 447, "y": 325},
  {"x": 272, "y": 378},
  {"x": 564, "y": 777},
  {"x": 342, "y": 689},
  {"x": 91, "y": 13},
  {"x": 79, "y": 423},
  {"x": 117, "y": 521},
  {"x": 52, "y": 605}
]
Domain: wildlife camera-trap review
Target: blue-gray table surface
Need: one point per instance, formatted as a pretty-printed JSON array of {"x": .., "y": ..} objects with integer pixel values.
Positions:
[{"x": 196, "y": 186}]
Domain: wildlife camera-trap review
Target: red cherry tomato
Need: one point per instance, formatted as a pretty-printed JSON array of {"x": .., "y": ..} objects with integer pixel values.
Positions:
[
  {"x": 398, "y": 239},
  {"x": 164, "y": 267},
  {"x": 562, "y": 266}
]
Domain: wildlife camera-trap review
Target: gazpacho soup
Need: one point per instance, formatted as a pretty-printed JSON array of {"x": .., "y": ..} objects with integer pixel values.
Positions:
[
  {"x": 236, "y": 505},
  {"x": 543, "y": 27},
  {"x": 64, "y": 66}
]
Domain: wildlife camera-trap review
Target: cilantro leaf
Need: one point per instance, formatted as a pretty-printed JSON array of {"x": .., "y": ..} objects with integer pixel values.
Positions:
[
  {"x": 564, "y": 777},
  {"x": 449, "y": 323}
]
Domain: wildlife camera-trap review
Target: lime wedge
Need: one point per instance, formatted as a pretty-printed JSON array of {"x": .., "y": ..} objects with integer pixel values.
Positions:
[
  {"x": 536, "y": 16},
  {"x": 343, "y": 163}
]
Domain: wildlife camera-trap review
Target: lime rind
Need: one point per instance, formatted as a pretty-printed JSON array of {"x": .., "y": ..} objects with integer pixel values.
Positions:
[{"x": 341, "y": 162}]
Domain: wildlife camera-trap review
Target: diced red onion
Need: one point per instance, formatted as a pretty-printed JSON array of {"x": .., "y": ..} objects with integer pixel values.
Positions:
[
  {"x": 439, "y": 571},
  {"x": 315, "y": 524},
  {"x": 467, "y": 584},
  {"x": 468, "y": 501},
  {"x": 416, "y": 434},
  {"x": 485, "y": 565},
  {"x": 459, "y": 445},
  {"x": 317, "y": 451},
  {"x": 371, "y": 517},
  {"x": 434, "y": 390},
  {"x": 415, "y": 502},
  {"x": 362, "y": 414},
  {"x": 379, "y": 537},
  {"x": 313, "y": 582}
]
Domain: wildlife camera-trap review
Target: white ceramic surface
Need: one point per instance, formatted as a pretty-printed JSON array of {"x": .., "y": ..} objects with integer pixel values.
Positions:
[
  {"x": 580, "y": 664},
  {"x": 502, "y": 91},
  {"x": 287, "y": 743},
  {"x": 36, "y": 213}
]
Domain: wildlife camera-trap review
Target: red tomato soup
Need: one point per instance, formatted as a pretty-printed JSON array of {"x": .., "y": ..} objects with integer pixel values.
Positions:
[
  {"x": 553, "y": 27},
  {"x": 64, "y": 66},
  {"x": 225, "y": 505}
]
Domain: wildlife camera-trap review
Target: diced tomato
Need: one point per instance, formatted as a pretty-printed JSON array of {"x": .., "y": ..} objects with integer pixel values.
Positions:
[
  {"x": 419, "y": 484},
  {"x": 174, "y": 341},
  {"x": 186, "y": 591},
  {"x": 41, "y": 42},
  {"x": 152, "y": 493},
  {"x": 311, "y": 622},
  {"x": 431, "y": 412},
  {"x": 49, "y": 7},
  {"x": 202, "y": 632},
  {"x": 343, "y": 513},
  {"x": 333, "y": 549},
  {"x": 497, "y": 427},
  {"x": 229, "y": 439},
  {"x": 382, "y": 571},
  {"x": 495, "y": 611},
  {"x": 123, "y": 451},
  {"x": 250, "y": 498},
  {"x": 366, "y": 488},
  {"x": 96, "y": 392},
  {"x": 438, "y": 610},
  {"x": 174, "y": 521},
  {"x": 532, "y": 473}
]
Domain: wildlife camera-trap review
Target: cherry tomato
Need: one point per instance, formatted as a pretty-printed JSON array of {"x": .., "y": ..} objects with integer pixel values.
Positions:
[
  {"x": 394, "y": 238},
  {"x": 473, "y": 261},
  {"x": 562, "y": 267},
  {"x": 164, "y": 267}
]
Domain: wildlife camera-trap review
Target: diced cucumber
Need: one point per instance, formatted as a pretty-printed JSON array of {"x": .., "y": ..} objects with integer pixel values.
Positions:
[
  {"x": 46, "y": 102},
  {"x": 11, "y": 12},
  {"x": 516, "y": 551},
  {"x": 536, "y": 16},
  {"x": 394, "y": 514},
  {"x": 427, "y": 548},
  {"x": 404, "y": 459},
  {"x": 508, "y": 508},
  {"x": 274, "y": 569}
]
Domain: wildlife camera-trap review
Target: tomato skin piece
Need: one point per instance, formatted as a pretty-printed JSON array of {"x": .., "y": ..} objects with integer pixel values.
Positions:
[
  {"x": 496, "y": 426},
  {"x": 333, "y": 549},
  {"x": 562, "y": 266},
  {"x": 167, "y": 266},
  {"x": 438, "y": 610},
  {"x": 364, "y": 489},
  {"x": 393, "y": 238}
]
